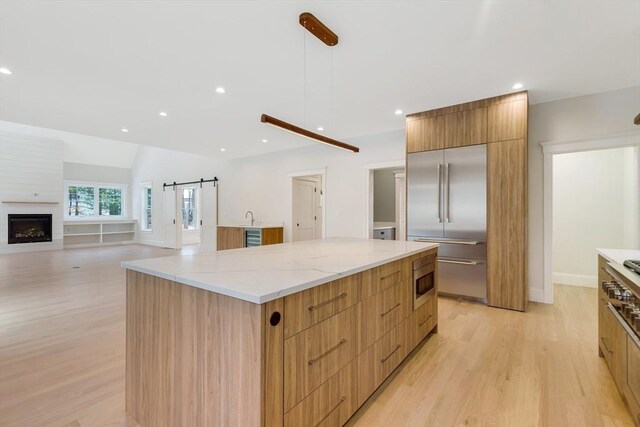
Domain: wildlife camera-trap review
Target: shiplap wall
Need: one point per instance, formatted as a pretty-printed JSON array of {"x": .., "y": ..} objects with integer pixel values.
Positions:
[{"x": 31, "y": 170}]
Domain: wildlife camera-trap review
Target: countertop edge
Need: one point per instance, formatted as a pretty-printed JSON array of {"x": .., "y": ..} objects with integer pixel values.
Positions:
[{"x": 261, "y": 299}]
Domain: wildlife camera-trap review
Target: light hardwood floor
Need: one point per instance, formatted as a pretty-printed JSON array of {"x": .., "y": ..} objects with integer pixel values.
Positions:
[{"x": 62, "y": 354}]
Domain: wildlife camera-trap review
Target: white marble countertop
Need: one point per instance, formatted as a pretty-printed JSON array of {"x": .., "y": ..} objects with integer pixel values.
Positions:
[
  {"x": 257, "y": 224},
  {"x": 264, "y": 273},
  {"x": 617, "y": 256}
]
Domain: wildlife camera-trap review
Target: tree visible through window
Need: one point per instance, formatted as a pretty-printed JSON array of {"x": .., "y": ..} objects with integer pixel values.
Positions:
[
  {"x": 81, "y": 201},
  {"x": 146, "y": 208},
  {"x": 95, "y": 200},
  {"x": 189, "y": 209}
]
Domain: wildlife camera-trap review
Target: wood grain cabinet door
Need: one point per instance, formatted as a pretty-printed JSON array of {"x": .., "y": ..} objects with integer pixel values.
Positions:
[
  {"x": 421, "y": 135},
  {"x": 506, "y": 224},
  {"x": 632, "y": 388},
  {"x": 463, "y": 128},
  {"x": 230, "y": 238},
  {"x": 317, "y": 353},
  {"x": 332, "y": 404},
  {"x": 507, "y": 121}
]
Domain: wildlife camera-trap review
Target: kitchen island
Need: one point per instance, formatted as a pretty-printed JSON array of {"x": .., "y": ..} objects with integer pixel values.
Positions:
[{"x": 282, "y": 335}]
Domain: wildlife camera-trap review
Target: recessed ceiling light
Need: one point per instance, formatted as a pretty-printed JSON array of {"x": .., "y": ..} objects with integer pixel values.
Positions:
[
  {"x": 320, "y": 128},
  {"x": 398, "y": 112},
  {"x": 124, "y": 130},
  {"x": 163, "y": 114},
  {"x": 265, "y": 140},
  {"x": 518, "y": 85},
  {"x": 6, "y": 71},
  {"x": 223, "y": 149},
  {"x": 220, "y": 89}
]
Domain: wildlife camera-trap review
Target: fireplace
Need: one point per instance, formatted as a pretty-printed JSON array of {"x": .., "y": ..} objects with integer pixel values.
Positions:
[{"x": 29, "y": 228}]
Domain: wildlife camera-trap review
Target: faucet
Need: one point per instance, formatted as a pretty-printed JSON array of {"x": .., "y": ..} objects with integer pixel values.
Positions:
[{"x": 249, "y": 212}]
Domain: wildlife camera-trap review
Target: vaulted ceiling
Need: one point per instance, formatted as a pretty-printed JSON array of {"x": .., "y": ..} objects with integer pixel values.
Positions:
[{"x": 95, "y": 67}]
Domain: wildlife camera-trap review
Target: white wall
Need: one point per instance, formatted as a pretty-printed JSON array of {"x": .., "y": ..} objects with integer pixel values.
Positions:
[
  {"x": 30, "y": 171},
  {"x": 157, "y": 166},
  {"x": 384, "y": 195},
  {"x": 80, "y": 148},
  {"x": 262, "y": 183},
  {"x": 575, "y": 119},
  {"x": 592, "y": 198}
]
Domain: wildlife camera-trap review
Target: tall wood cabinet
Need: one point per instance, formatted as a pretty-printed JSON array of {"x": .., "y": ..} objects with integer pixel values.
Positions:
[{"x": 501, "y": 123}]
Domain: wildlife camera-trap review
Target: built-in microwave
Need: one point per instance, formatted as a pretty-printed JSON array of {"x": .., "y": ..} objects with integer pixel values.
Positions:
[{"x": 424, "y": 279}]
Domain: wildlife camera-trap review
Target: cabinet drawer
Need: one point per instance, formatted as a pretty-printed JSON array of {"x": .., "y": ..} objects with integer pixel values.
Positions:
[
  {"x": 604, "y": 331},
  {"x": 385, "y": 276},
  {"x": 632, "y": 387},
  {"x": 332, "y": 404},
  {"x": 378, "y": 361},
  {"x": 424, "y": 319},
  {"x": 306, "y": 308},
  {"x": 383, "y": 311},
  {"x": 317, "y": 353}
]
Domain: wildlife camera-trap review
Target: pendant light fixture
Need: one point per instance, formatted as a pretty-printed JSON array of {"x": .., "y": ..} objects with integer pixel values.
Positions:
[{"x": 328, "y": 37}]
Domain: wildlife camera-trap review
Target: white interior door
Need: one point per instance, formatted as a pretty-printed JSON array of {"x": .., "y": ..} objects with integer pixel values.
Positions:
[
  {"x": 305, "y": 204},
  {"x": 172, "y": 221},
  {"x": 208, "y": 216}
]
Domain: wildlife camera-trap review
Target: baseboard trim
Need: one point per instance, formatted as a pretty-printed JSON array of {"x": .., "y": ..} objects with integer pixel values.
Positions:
[
  {"x": 536, "y": 295},
  {"x": 575, "y": 280},
  {"x": 157, "y": 243}
]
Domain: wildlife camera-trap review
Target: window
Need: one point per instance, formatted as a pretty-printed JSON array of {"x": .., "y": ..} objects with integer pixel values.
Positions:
[
  {"x": 189, "y": 209},
  {"x": 146, "y": 207},
  {"x": 86, "y": 200}
]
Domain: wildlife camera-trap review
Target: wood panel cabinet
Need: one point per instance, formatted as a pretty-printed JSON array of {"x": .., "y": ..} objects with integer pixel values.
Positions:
[
  {"x": 315, "y": 354},
  {"x": 421, "y": 135},
  {"x": 507, "y": 121},
  {"x": 506, "y": 224},
  {"x": 230, "y": 238},
  {"x": 632, "y": 383},
  {"x": 332, "y": 404},
  {"x": 455, "y": 129}
]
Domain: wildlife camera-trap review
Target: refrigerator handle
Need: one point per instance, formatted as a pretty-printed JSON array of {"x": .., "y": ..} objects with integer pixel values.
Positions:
[
  {"x": 439, "y": 216},
  {"x": 447, "y": 169}
]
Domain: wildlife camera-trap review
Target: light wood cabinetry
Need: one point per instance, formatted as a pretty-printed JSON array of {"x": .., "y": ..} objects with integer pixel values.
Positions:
[
  {"x": 507, "y": 121},
  {"x": 616, "y": 345},
  {"x": 309, "y": 307},
  {"x": 315, "y": 354},
  {"x": 196, "y": 357},
  {"x": 501, "y": 123},
  {"x": 506, "y": 224},
  {"x": 230, "y": 238},
  {"x": 234, "y": 237},
  {"x": 331, "y": 404}
]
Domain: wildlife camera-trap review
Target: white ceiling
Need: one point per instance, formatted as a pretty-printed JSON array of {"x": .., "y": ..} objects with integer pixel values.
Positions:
[{"x": 94, "y": 67}]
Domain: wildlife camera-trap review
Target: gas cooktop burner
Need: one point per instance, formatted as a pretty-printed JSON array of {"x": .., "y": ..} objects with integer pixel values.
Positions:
[{"x": 633, "y": 265}]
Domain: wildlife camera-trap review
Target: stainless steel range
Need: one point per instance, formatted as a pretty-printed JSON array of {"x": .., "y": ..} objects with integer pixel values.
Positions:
[{"x": 625, "y": 302}]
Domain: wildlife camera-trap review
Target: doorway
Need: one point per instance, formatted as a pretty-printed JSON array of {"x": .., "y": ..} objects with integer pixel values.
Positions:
[
  {"x": 190, "y": 216},
  {"x": 591, "y": 200},
  {"x": 386, "y": 201},
  {"x": 307, "y": 207}
]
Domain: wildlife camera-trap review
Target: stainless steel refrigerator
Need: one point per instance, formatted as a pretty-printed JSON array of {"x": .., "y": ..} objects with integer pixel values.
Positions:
[{"x": 447, "y": 204}]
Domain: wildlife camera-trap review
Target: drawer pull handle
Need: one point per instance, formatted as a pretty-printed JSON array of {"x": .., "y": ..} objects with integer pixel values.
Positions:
[
  {"x": 390, "y": 310},
  {"x": 390, "y": 354},
  {"x": 390, "y": 276},
  {"x": 425, "y": 321},
  {"x": 332, "y": 349},
  {"x": 342, "y": 399},
  {"x": 329, "y": 301}
]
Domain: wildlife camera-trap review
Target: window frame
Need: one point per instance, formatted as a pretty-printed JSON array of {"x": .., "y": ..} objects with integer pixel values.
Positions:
[
  {"x": 146, "y": 186},
  {"x": 96, "y": 200}
]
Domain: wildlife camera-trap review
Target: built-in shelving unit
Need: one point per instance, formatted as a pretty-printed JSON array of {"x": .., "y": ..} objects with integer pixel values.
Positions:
[{"x": 96, "y": 233}]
